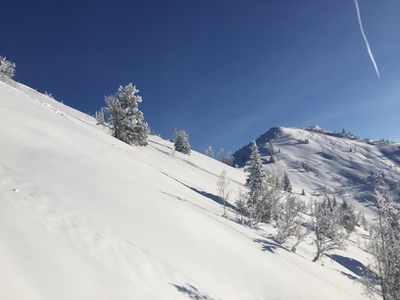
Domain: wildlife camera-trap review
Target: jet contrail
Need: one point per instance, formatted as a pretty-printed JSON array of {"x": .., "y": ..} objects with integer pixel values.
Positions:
[{"x": 365, "y": 39}]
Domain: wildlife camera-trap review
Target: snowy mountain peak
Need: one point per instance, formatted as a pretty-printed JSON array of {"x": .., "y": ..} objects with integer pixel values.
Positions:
[{"x": 328, "y": 162}]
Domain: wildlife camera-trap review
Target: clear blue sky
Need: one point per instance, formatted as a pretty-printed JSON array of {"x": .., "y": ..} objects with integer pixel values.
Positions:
[{"x": 223, "y": 70}]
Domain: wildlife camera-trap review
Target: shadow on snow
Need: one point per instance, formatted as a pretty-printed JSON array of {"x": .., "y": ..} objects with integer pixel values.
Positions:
[
  {"x": 210, "y": 196},
  {"x": 354, "y": 266},
  {"x": 192, "y": 292},
  {"x": 269, "y": 245}
]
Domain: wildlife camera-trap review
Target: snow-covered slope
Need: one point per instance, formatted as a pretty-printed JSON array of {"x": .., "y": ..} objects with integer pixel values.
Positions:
[
  {"x": 85, "y": 216},
  {"x": 323, "y": 162}
]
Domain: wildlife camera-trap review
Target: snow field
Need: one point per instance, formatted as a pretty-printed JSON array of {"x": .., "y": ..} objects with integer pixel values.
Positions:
[{"x": 85, "y": 216}]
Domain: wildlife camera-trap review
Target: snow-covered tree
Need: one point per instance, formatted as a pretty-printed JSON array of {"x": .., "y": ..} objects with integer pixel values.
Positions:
[
  {"x": 288, "y": 220},
  {"x": 271, "y": 149},
  {"x": 99, "y": 115},
  {"x": 223, "y": 193},
  {"x": 328, "y": 233},
  {"x": 7, "y": 69},
  {"x": 125, "y": 118},
  {"x": 226, "y": 158},
  {"x": 241, "y": 207},
  {"x": 255, "y": 182},
  {"x": 348, "y": 217},
  {"x": 385, "y": 246},
  {"x": 362, "y": 221},
  {"x": 272, "y": 159},
  {"x": 209, "y": 152},
  {"x": 272, "y": 195},
  {"x": 287, "y": 185},
  {"x": 50, "y": 95},
  {"x": 181, "y": 142}
]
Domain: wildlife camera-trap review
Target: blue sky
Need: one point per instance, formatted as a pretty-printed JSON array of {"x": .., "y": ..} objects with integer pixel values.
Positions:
[{"x": 225, "y": 71}]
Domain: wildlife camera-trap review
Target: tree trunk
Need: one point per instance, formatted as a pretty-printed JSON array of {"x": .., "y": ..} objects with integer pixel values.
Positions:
[{"x": 315, "y": 259}]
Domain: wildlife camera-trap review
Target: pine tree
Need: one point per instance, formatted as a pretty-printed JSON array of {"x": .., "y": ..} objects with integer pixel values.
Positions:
[
  {"x": 7, "y": 69},
  {"x": 226, "y": 158},
  {"x": 241, "y": 207},
  {"x": 99, "y": 115},
  {"x": 181, "y": 142},
  {"x": 271, "y": 149},
  {"x": 287, "y": 185},
  {"x": 125, "y": 118},
  {"x": 347, "y": 216},
  {"x": 209, "y": 152},
  {"x": 255, "y": 182},
  {"x": 272, "y": 159}
]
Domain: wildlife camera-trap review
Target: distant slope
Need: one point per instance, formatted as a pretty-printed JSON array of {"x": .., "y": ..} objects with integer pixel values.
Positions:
[
  {"x": 320, "y": 161},
  {"x": 85, "y": 216}
]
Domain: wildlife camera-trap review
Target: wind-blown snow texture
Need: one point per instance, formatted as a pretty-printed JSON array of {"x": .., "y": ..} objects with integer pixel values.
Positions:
[{"x": 85, "y": 216}]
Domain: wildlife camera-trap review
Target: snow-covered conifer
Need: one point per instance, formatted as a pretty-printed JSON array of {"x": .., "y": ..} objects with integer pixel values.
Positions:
[
  {"x": 7, "y": 69},
  {"x": 272, "y": 159},
  {"x": 125, "y": 118},
  {"x": 287, "y": 185},
  {"x": 226, "y": 158},
  {"x": 181, "y": 142},
  {"x": 241, "y": 207},
  {"x": 209, "y": 152},
  {"x": 347, "y": 216},
  {"x": 271, "y": 149},
  {"x": 255, "y": 182},
  {"x": 99, "y": 115}
]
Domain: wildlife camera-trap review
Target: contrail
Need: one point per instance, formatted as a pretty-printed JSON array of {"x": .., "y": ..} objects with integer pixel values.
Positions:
[{"x": 365, "y": 39}]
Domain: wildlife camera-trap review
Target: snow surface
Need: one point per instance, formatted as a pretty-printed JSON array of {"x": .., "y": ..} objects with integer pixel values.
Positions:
[
  {"x": 342, "y": 166},
  {"x": 85, "y": 216}
]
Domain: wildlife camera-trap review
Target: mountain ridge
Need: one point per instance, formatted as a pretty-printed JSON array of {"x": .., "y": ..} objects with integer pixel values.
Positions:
[{"x": 326, "y": 162}]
